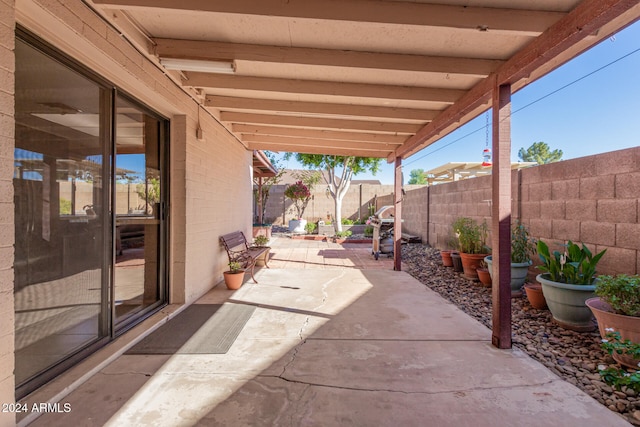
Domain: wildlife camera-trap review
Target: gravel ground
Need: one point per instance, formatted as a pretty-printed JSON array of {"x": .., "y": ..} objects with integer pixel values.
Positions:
[{"x": 571, "y": 355}]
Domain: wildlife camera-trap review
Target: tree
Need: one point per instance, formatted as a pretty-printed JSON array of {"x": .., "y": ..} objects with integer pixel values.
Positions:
[
  {"x": 540, "y": 153},
  {"x": 417, "y": 177},
  {"x": 338, "y": 186}
]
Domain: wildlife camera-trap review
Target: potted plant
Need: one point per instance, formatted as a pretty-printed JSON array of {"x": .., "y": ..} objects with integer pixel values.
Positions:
[
  {"x": 523, "y": 246},
  {"x": 472, "y": 239},
  {"x": 300, "y": 195},
  {"x": 617, "y": 309},
  {"x": 261, "y": 242},
  {"x": 446, "y": 253},
  {"x": 483, "y": 274},
  {"x": 568, "y": 280},
  {"x": 234, "y": 277}
]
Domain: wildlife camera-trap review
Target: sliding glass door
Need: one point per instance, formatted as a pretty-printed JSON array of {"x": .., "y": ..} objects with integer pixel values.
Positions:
[
  {"x": 90, "y": 234},
  {"x": 138, "y": 211}
]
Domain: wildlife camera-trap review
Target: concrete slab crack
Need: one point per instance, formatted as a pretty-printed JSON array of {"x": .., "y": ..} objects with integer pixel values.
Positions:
[{"x": 383, "y": 390}]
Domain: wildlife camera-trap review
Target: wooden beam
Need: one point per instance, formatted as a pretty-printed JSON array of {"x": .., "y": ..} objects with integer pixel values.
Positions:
[
  {"x": 586, "y": 18},
  {"x": 501, "y": 218},
  {"x": 214, "y": 50},
  {"x": 317, "y": 133},
  {"x": 360, "y": 90},
  {"x": 318, "y": 150},
  {"x": 397, "y": 224},
  {"x": 376, "y": 11},
  {"x": 309, "y": 122},
  {"x": 235, "y": 103},
  {"x": 317, "y": 142}
]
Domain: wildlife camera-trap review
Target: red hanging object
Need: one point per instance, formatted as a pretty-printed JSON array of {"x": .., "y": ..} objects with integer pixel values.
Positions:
[
  {"x": 486, "y": 157},
  {"x": 486, "y": 153}
]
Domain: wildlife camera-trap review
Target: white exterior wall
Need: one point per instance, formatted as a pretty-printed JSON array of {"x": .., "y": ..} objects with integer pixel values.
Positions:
[
  {"x": 7, "y": 143},
  {"x": 210, "y": 179}
]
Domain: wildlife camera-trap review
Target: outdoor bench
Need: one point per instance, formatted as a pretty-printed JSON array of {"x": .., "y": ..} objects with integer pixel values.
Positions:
[{"x": 238, "y": 250}]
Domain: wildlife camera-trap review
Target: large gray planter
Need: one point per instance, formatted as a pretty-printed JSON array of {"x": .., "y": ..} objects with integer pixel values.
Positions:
[
  {"x": 519, "y": 271},
  {"x": 567, "y": 303}
]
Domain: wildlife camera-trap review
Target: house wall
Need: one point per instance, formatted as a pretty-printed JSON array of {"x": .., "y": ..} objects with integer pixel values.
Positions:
[
  {"x": 7, "y": 143},
  {"x": 210, "y": 179},
  {"x": 592, "y": 199}
]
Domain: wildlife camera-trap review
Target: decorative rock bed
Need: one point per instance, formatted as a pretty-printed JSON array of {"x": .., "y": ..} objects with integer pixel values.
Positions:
[{"x": 571, "y": 355}]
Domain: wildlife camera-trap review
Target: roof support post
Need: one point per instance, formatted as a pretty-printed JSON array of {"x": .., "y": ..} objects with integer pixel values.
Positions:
[
  {"x": 501, "y": 217},
  {"x": 397, "y": 224},
  {"x": 259, "y": 199}
]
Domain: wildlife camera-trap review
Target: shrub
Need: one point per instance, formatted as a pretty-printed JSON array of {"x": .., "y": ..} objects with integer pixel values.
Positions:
[
  {"x": 345, "y": 233},
  {"x": 523, "y": 246},
  {"x": 621, "y": 292},
  {"x": 368, "y": 231},
  {"x": 310, "y": 228},
  {"x": 261, "y": 240},
  {"x": 472, "y": 236},
  {"x": 347, "y": 221}
]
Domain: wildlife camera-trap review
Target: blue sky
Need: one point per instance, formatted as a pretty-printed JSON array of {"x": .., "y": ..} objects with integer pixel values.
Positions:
[{"x": 599, "y": 113}]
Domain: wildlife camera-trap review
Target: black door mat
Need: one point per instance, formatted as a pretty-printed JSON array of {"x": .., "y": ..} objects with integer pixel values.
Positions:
[{"x": 199, "y": 329}]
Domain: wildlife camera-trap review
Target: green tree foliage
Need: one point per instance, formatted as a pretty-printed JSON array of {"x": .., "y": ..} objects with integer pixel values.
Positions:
[
  {"x": 346, "y": 167},
  {"x": 539, "y": 152},
  {"x": 417, "y": 176}
]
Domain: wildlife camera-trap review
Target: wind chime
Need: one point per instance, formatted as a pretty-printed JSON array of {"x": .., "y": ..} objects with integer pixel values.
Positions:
[{"x": 486, "y": 153}]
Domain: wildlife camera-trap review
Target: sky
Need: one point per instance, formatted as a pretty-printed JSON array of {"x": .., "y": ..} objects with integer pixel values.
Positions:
[{"x": 598, "y": 111}]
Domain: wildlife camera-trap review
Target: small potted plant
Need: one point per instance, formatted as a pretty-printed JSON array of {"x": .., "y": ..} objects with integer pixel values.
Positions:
[
  {"x": 234, "y": 277},
  {"x": 483, "y": 274},
  {"x": 261, "y": 241},
  {"x": 617, "y": 309},
  {"x": 568, "y": 280},
  {"x": 472, "y": 239},
  {"x": 523, "y": 246}
]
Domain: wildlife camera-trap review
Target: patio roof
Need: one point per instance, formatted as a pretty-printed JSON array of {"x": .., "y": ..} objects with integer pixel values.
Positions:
[
  {"x": 359, "y": 77},
  {"x": 262, "y": 167},
  {"x": 454, "y": 171}
]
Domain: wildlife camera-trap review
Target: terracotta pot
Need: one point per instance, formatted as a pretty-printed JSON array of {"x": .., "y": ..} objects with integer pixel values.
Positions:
[
  {"x": 470, "y": 263},
  {"x": 484, "y": 276},
  {"x": 535, "y": 295},
  {"x": 233, "y": 280},
  {"x": 446, "y": 258},
  {"x": 457, "y": 261},
  {"x": 627, "y": 326}
]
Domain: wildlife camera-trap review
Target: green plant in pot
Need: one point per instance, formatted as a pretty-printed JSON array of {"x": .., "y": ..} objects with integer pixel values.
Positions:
[
  {"x": 568, "y": 280},
  {"x": 523, "y": 247},
  {"x": 234, "y": 277},
  {"x": 261, "y": 242},
  {"x": 472, "y": 238},
  {"x": 617, "y": 310}
]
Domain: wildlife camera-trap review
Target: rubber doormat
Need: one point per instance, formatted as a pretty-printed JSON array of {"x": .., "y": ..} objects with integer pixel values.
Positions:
[{"x": 199, "y": 329}]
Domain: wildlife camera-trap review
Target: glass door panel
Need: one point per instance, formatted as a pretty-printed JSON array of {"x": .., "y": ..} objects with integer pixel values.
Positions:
[
  {"x": 137, "y": 284},
  {"x": 61, "y": 213}
]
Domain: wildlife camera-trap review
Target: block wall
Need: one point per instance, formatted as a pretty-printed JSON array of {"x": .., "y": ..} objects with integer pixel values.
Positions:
[
  {"x": 7, "y": 143},
  {"x": 591, "y": 199},
  {"x": 356, "y": 203}
]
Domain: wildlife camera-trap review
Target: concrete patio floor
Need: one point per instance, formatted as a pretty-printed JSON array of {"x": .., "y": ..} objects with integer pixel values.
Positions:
[{"x": 337, "y": 339}]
